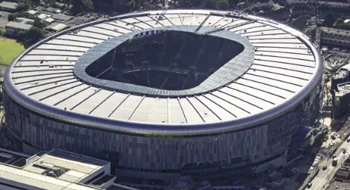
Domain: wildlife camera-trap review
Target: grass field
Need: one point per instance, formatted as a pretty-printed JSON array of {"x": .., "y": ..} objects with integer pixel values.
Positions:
[{"x": 9, "y": 49}]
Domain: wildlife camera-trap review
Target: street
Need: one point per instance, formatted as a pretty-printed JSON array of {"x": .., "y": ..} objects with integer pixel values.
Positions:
[{"x": 323, "y": 178}]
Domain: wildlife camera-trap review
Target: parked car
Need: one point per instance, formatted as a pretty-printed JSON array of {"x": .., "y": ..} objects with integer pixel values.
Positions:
[
  {"x": 309, "y": 185},
  {"x": 324, "y": 167}
]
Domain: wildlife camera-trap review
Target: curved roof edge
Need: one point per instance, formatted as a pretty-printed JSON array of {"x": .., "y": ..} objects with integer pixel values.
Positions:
[{"x": 168, "y": 129}]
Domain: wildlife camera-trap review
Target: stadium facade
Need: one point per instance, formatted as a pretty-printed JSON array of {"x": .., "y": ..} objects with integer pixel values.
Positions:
[{"x": 167, "y": 93}]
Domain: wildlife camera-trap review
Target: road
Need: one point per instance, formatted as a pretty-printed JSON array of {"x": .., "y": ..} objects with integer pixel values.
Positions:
[{"x": 323, "y": 178}]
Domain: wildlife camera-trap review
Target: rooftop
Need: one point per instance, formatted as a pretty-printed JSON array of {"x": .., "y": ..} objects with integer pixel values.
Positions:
[
  {"x": 283, "y": 68},
  {"x": 56, "y": 169},
  {"x": 61, "y": 17},
  {"x": 335, "y": 31},
  {"x": 17, "y": 25},
  {"x": 8, "y": 5},
  {"x": 24, "y": 20},
  {"x": 337, "y": 185},
  {"x": 57, "y": 27}
]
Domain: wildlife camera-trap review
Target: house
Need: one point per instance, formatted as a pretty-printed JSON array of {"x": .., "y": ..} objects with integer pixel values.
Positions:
[
  {"x": 62, "y": 17},
  {"x": 43, "y": 16},
  {"x": 53, "y": 10},
  {"x": 32, "y": 12},
  {"x": 56, "y": 27},
  {"x": 49, "y": 20},
  {"x": 8, "y": 6},
  {"x": 342, "y": 174},
  {"x": 20, "y": 26}
]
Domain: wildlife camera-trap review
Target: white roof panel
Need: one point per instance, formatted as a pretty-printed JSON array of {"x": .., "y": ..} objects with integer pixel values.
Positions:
[
  {"x": 80, "y": 38},
  {"x": 127, "y": 108},
  {"x": 58, "y": 47},
  {"x": 109, "y": 105}
]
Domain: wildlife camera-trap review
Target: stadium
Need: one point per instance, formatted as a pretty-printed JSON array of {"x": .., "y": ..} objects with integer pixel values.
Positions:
[{"x": 168, "y": 93}]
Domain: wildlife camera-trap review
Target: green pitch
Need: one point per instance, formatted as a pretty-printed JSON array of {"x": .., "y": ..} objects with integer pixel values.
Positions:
[{"x": 9, "y": 49}]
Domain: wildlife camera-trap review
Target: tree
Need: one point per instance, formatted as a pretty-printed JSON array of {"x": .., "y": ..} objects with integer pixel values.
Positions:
[
  {"x": 2, "y": 31},
  {"x": 37, "y": 23},
  {"x": 132, "y": 5},
  {"x": 11, "y": 17},
  {"x": 34, "y": 34},
  {"x": 222, "y": 4},
  {"x": 209, "y": 4},
  {"x": 81, "y": 5},
  {"x": 233, "y": 3},
  {"x": 35, "y": 2},
  {"x": 88, "y": 4},
  {"x": 23, "y": 6},
  {"x": 329, "y": 19},
  {"x": 339, "y": 22}
]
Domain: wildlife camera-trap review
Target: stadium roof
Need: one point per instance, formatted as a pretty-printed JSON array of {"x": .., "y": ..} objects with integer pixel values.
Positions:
[{"x": 285, "y": 68}]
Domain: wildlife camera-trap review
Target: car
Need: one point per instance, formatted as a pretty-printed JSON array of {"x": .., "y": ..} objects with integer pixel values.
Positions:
[
  {"x": 348, "y": 140},
  {"x": 344, "y": 151},
  {"x": 309, "y": 185},
  {"x": 324, "y": 167}
]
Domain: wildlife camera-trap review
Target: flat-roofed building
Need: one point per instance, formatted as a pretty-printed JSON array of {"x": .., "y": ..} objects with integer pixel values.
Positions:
[
  {"x": 56, "y": 27},
  {"x": 8, "y": 6},
  {"x": 19, "y": 26},
  {"x": 53, "y": 170},
  {"x": 335, "y": 37}
]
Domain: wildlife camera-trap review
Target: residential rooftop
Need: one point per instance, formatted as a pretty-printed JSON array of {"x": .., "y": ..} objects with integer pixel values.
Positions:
[
  {"x": 8, "y": 5},
  {"x": 19, "y": 25}
]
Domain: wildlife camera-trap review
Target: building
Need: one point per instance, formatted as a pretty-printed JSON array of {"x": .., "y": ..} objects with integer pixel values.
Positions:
[
  {"x": 114, "y": 89},
  {"x": 49, "y": 20},
  {"x": 341, "y": 179},
  {"x": 56, "y": 27},
  {"x": 8, "y": 6},
  {"x": 61, "y": 17},
  {"x": 32, "y": 12},
  {"x": 335, "y": 37},
  {"x": 341, "y": 99},
  {"x": 56, "y": 169},
  {"x": 342, "y": 174},
  {"x": 338, "y": 185},
  {"x": 19, "y": 26}
]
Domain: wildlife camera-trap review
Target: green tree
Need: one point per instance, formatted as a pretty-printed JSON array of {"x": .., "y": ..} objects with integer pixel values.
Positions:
[
  {"x": 222, "y": 4},
  {"x": 209, "y": 4},
  {"x": 329, "y": 19},
  {"x": 88, "y": 4},
  {"x": 132, "y": 5},
  {"x": 34, "y": 34},
  {"x": 339, "y": 22},
  {"x": 232, "y": 3},
  {"x": 35, "y": 2},
  {"x": 11, "y": 17},
  {"x": 37, "y": 23},
  {"x": 81, "y": 5},
  {"x": 2, "y": 31},
  {"x": 23, "y": 6}
]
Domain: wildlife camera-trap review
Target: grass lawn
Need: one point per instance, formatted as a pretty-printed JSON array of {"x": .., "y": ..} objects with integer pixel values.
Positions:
[{"x": 9, "y": 49}]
